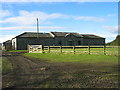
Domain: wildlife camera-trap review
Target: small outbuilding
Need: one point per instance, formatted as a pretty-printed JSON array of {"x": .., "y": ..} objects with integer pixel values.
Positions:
[
  {"x": 7, "y": 45},
  {"x": 35, "y": 48}
]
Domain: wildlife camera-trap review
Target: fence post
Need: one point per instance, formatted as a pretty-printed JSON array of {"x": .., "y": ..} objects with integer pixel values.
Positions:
[
  {"x": 28, "y": 48},
  {"x": 42, "y": 48},
  {"x": 60, "y": 49},
  {"x": 88, "y": 49},
  {"x": 104, "y": 50},
  {"x": 48, "y": 49},
  {"x": 74, "y": 49}
]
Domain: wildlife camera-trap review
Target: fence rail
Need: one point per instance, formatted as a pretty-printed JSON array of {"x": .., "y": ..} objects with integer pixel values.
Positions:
[{"x": 106, "y": 50}]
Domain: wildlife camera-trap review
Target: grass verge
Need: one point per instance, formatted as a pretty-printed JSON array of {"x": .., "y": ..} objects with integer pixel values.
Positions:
[
  {"x": 17, "y": 51},
  {"x": 0, "y": 64},
  {"x": 6, "y": 65}
]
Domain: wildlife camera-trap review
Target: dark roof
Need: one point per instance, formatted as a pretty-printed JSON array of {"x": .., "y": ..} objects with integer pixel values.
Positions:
[
  {"x": 8, "y": 41},
  {"x": 57, "y": 34},
  {"x": 31, "y": 34},
  {"x": 77, "y": 34},
  {"x": 64, "y": 34},
  {"x": 90, "y": 36}
]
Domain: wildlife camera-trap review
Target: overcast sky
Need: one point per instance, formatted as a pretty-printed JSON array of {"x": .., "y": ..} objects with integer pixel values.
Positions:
[{"x": 100, "y": 18}]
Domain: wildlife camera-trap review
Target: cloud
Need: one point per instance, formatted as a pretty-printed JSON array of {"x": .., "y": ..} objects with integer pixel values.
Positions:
[
  {"x": 4, "y": 38},
  {"x": 16, "y": 28},
  {"x": 111, "y": 15},
  {"x": 90, "y": 18},
  {"x": 109, "y": 36},
  {"x": 4, "y": 13},
  {"x": 60, "y": 0},
  {"x": 29, "y": 18},
  {"x": 28, "y": 28},
  {"x": 113, "y": 29}
]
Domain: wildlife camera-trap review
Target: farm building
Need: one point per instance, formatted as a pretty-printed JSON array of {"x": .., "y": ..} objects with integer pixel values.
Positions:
[
  {"x": 7, "y": 45},
  {"x": 21, "y": 41}
]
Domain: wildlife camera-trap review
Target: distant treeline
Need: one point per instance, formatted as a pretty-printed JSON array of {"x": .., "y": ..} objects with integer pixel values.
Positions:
[{"x": 115, "y": 42}]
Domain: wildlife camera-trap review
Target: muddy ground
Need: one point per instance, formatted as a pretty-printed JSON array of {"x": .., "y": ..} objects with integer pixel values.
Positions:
[{"x": 33, "y": 73}]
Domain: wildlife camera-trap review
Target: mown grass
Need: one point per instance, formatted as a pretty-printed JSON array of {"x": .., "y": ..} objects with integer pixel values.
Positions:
[{"x": 85, "y": 58}]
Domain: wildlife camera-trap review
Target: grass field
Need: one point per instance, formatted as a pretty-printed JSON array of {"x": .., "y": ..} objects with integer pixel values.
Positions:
[{"x": 74, "y": 57}]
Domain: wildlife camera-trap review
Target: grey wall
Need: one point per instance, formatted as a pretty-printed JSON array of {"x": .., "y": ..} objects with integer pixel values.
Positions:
[
  {"x": 23, "y": 42},
  {"x": 8, "y": 46},
  {"x": 94, "y": 41},
  {"x": 65, "y": 40},
  {"x": 58, "y": 40},
  {"x": 74, "y": 40}
]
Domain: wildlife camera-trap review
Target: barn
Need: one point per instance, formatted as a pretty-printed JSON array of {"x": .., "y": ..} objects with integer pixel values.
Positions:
[
  {"x": 7, "y": 45},
  {"x": 21, "y": 41}
]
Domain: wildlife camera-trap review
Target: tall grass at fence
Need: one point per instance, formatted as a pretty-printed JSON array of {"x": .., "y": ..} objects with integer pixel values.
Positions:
[{"x": 113, "y": 50}]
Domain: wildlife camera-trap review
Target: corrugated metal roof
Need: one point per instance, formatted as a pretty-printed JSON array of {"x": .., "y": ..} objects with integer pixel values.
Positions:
[
  {"x": 64, "y": 34},
  {"x": 77, "y": 34},
  {"x": 30, "y": 34},
  {"x": 57, "y": 34},
  {"x": 90, "y": 36},
  {"x": 8, "y": 41}
]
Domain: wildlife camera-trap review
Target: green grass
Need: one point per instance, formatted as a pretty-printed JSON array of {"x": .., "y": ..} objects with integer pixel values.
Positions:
[
  {"x": 0, "y": 64},
  {"x": 17, "y": 51},
  {"x": 74, "y": 57},
  {"x": 6, "y": 65}
]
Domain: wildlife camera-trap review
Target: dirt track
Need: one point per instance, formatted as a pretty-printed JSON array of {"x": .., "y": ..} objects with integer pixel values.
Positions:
[{"x": 33, "y": 73}]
